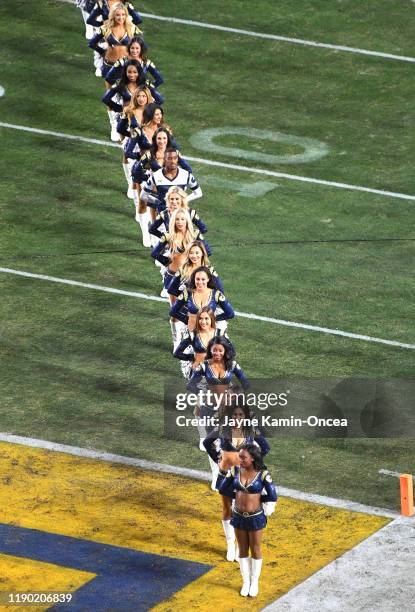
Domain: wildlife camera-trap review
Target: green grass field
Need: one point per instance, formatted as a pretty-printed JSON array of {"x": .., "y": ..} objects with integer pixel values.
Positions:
[{"x": 87, "y": 368}]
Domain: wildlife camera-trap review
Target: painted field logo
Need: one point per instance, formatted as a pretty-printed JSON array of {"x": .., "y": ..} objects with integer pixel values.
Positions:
[{"x": 312, "y": 149}]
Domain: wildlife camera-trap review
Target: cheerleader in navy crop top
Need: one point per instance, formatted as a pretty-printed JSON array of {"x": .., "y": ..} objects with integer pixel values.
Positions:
[
  {"x": 201, "y": 293},
  {"x": 249, "y": 516},
  {"x": 196, "y": 257},
  {"x": 206, "y": 371},
  {"x": 163, "y": 218},
  {"x": 132, "y": 76},
  {"x": 108, "y": 33},
  {"x": 137, "y": 50},
  {"x": 218, "y": 368},
  {"x": 162, "y": 251},
  {"x": 153, "y": 120},
  {"x": 193, "y": 346},
  {"x": 101, "y": 12},
  {"x": 222, "y": 440}
]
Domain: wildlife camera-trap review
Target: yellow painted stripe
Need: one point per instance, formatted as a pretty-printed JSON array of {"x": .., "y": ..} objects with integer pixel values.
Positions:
[{"x": 170, "y": 515}]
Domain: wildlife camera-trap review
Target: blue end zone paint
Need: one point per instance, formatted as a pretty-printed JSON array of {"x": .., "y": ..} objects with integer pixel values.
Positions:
[{"x": 127, "y": 579}]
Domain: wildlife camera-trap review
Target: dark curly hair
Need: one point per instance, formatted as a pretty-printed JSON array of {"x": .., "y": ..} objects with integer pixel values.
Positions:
[
  {"x": 229, "y": 355},
  {"x": 255, "y": 453},
  {"x": 211, "y": 280}
]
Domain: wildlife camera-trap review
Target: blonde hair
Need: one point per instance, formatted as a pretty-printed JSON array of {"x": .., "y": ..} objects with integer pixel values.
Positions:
[
  {"x": 133, "y": 105},
  {"x": 174, "y": 242},
  {"x": 187, "y": 268},
  {"x": 109, "y": 24},
  {"x": 181, "y": 193}
]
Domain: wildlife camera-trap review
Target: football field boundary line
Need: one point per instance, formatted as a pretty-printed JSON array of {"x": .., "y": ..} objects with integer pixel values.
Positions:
[
  {"x": 341, "y": 504},
  {"x": 245, "y": 315},
  {"x": 276, "y": 37},
  {"x": 210, "y": 162}
]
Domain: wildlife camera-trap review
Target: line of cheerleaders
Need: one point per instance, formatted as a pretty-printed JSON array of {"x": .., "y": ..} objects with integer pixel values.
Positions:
[{"x": 159, "y": 180}]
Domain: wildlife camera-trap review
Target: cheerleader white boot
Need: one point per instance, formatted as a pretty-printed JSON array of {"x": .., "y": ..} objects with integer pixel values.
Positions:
[
  {"x": 115, "y": 137},
  {"x": 131, "y": 190},
  {"x": 143, "y": 221},
  {"x": 215, "y": 471},
  {"x": 176, "y": 333},
  {"x": 230, "y": 540},
  {"x": 98, "y": 64},
  {"x": 89, "y": 30},
  {"x": 256, "y": 566},
  {"x": 244, "y": 564}
]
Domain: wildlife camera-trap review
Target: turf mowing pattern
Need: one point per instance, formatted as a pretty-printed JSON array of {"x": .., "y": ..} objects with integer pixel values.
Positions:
[{"x": 85, "y": 368}]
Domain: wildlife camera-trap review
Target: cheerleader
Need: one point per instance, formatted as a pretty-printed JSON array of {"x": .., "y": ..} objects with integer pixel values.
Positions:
[
  {"x": 193, "y": 345},
  {"x": 249, "y": 515},
  {"x": 175, "y": 198},
  {"x": 202, "y": 292},
  {"x": 223, "y": 446},
  {"x": 137, "y": 50},
  {"x": 196, "y": 257},
  {"x": 128, "y": 126},
  {"x": 218, "y": 368},
  {"x": 153, "y": 119},
  {"x": 116, "y": 32},
  {"x": 102, "y": 8},
  {"x": 132, "y": 76},
  {"x": 120, "y": 95}
]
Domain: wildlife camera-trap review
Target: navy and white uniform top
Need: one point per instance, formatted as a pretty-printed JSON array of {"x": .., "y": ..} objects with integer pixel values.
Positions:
[
  {"x": 139, "y": 143},
  {"x": 185, "y": 305},
  {"x": 162, "y": 252},
  {"x": 148, "y": 68},
  {"x": 193, "y": 340},
  {"x": 110, "y": 39},
  {"x": 178, "y": 284},
  {"x": 116, "y": 98},
  {"x": 163, "y": 218},
  {"x": 262, "y": 480},
  {"x": 101, "y": 12},
  {"x": 226, "y": 443},
  {"x": 157, "y": 186},
  {"x": 205, "y": 370},
  {"x": 148, "y": 163}
]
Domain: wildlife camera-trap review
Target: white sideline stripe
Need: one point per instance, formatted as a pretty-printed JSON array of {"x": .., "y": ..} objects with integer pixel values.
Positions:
[
  {"x": 245, "y": 315},
  {"x": 390, "y": 473},
  {"x": 181, "y": 471},
  {"x": 209, "y": 162},
  {"x": 296, "y": 41}
]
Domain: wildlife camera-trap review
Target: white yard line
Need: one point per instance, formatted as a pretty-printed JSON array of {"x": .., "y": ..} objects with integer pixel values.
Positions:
[
  {"x": 189, "y": 473},
  {"x": 390, "y": 473},
  {"x": 209, "y": 162},
  {"x": 245, "y": 315},
  {"x": 295, "y": 41}
]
